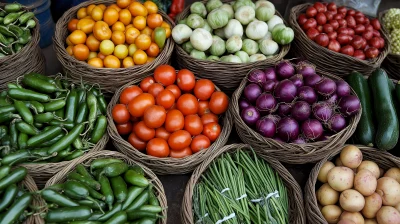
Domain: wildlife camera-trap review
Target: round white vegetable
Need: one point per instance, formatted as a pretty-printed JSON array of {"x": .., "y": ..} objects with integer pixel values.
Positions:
[
  {"x": 198, "y": 54},
  {"x": 188, "y": 47},
  {"x": 234, "y": 44},
  {"x": 218, "y": 46},
  {"x": 217, "y": 18},
  {"x": 257, "y": 57},
  {"x": 244, "y": 57},
  {"x": 233, "y": 28},
  {"x": 393, "y": 173},
  {"x": 388, "y": 215},
  {"x": 250, "y": 46},
  {"x": 207, "y": 26},
  {"x": 231, "y": 58},
  {"x": 323, "y": 172},
  {"x": 365, "y": 182},
  {"x": 389, "y": 189},
  {"x": 264, "y": 3},
  {"x": 371, "y": 166},
  {"x": 351, "y": 156},
  {"x": 351, "y": 200},
  {"x": 239, "y": 3},
  {"x": 326, "y": 195},
  {"x": 229, "y": 9},
  {"x": 256, "y": 30},
  {"x": 213, "y": 58},
  {"x": 213, "y": 4},
  {"x": 268, "y": 47},
  {"x": 355, "y": 217},
  {"x": 331, "y": 213},
  {"x": 199, "y": 8},
  {"x": 195, "y": 21},
  {"x": 372, "y": 205},
  {"x": 181, "y": 33},
  {"x": 220, "y": 32},
  {"x": 264, "y": 13},
  {"x": 273, "y": 22},
  {"x": 245, "y": 14},
  {"x": 201, "y": 39},
  {"x": 341, "y": 178}
]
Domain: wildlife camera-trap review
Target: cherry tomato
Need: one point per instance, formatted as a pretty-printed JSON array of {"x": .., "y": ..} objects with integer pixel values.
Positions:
[
  {"x": 342, "y": 10},
  {"x": 209, "y": 118},
  {"x": 129, "y": 93},
  {"x": 120, "y": 114},
  {"x": 203, "y": 89},
  {"x": 342, "y": 23},
  {"x": 320, "y": 7},
  {"x": 332, "y": 35},
  {"x": 348, "y": 49},
  {"x": 351, "y": 22},
  {"x": 375, "y": 42},
  {"x": 322, "y": 39},
  {"x": 181, "y": 154},
  {"x": 371, "y": 52},
  {"x": 375, "y": 32},
  {"x": 166, "y": 99},
  {"x": 157, "y": 147},
  {"x": 124, "y": 129},
  {"x": 368, "y": 34},
  {"x": 165, "y": 74},
  {"x": 359, "y": 54},
  {"x": 359, "y": 29},
  {"x": 343, "y": 39},
  {"x": 187, "y": 104},
  {"x": 136, "y": 142},
  {"x": 311, "y": 23},
  {"x": 162, "y": 133},
  {"x": 329, "y": 15},
  {"x": 154, "y": 116},
  {"x": 174, "y": 121},
  {"x": 185, "y": 80},
  {"x": 328, "y": 28},
  {"x": 203, "y": 108},
  {"x": 334, "y": 46},
  {"x": 200, "y": 142},
  {"x": 376, "y": 24},
  {"x": 139, "y": 104},
  {"x": 219, "y": 102},
  {"x": 334, "y": 23},
  {"x": 332, "y": 7},
  {"x": 175, "y": 90},
  {"x": 312, "y": 33},
  {"x": 321, "y": 18},
  {"x": 143, "y": 132},
  {"x": 357, "y": 42},
  {"x": 155, "y": 89},
  {"x": 351, "y": 32},
  {"x": 311, "y": 12},
  {"x": 179, "y": 140},
  {"x": 193, "y": 124},
  {"x": 146, "y": 83},
  {"x": 360, "y": 19},
  {"x": 302, "y": 19},
  {"x": 212, "y": 131}
]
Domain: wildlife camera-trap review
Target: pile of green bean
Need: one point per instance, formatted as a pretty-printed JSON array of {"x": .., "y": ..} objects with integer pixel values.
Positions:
[
  {"x": 110, "y": 192},
  {"x": 15, "y": 28},
  {"x": 49, "y": 120}
]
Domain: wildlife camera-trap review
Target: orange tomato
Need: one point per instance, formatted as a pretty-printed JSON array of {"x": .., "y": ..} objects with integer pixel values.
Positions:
[
  {"x": 101, "y": 31},
  {"x": 102, "y": 6},
  {"x": 129, "y": 26},
  {"x": 162, "y": 133},
  {"x": 150, "y": 59},
  {"x": 157, "y": 147},
  {"x": 77, "y": 37},
  {"x": 151, "y": 7},
  {"x": 147, "y": 31},
  {"x": 140, "y": 103},
  {"x": 153, "y": 50},
  {"x": 118, "y": 37},
  {"x": 128, "y": 62},
  {"x": 212, "y": 131},
  {"x": 72, "y": 25},
  {"x": 167, "y": 28},
  {"x": 114, "y": 6},
  {"x": 165, "y": 74},
  {"x": 181, "y": 153},
  {"x": 209, "y": 118},
  {"x": 118, "y": 26},
  {"x": 121, "y": 51},
  {"x": 70, "y": 50},
  {"x": 137, "y": 143},
  {"x": 92, "y": 54},
  {"x": 96, "y": 62},
  {"x": 154, "y": 116},
  {"x": 86, "y": 25},
  {"x": 92, "y": 43},
  {"x": 143, "y": 41},
  {"x": 97, "y": 13},
  {"x": 175, "y": 90},
  {"x": 137, "y": 9},
  {"x": 81, "y": 52},
  {"x": 193, "y": 124},
  {"x": 139, "y": 22},
  {"x": 155, "y": 89},
  {"x": 123, "y": 3},
  {"x": 187, "y": 104},
  {"x": 81, "y": 13},
  {"x": 139, "y": 57},
  {"x": 131, "y": 49},
  {"x": 154, "y": 20},
  {"x": 101, "y": 56},
  {"x": 174, "y": 120},
  {"x": 146, "y": 83},
  {"x": 125, "y": 16},
  {"x": 69, "y": 43},
  {"x": 179, "y": 140},
  {"x": 110, "y": 16},
  {"x": 131, "y": 34},
  {"x": 89, "y": 9},
  {"x": 111, "y": 62},
  {"x": 200, "y": 142}
]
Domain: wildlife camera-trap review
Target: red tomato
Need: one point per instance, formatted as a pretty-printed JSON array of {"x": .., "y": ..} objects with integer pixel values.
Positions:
[
  {"x": 203, "y": 89},
  {"x": 187, "y": 104},
  {"x": 342, "y": 10},
  {"x": 320, "y": 7},
  {"x": 376, "y": 33},
  {"x": 120, "y": 114},
  {"x": 371, "y": 52},
  {"x": 146, "y": 83},
  {"x": 218, "y": 103},
  {"x": 360, "y": 19},
  {"x": 124, "y": 129},
  {"x": 351, "y": 12},
  {"x": 382, "y": 41},
  {"x": 332, "y": 35},
  {"x": 368, "y": 35},
  {"x": 329, "y": 15},
  {"x": 179, "y": 140},
  {"x": 193, "y": 124},
  {"x": 203, "y": 108},
  {"x": 311, "y": 23},
  {"x": 165, "y": 74},
  {"x": 376, "y": 24},
  {"x": 359, "y": 29},
  {"x": 322, "y": 39},
  {"x": 200, "y": 142},
  {"x": 180, "y": 154},
  {"x": 212, "y": 131},
  {"x": 328, "y": 28},
  {"x": 351, "y": 32},
  {"x": 369, "y": 28},
  {"x": 334, "y": 23},
  {"x": 359, "y": 54},
  {"x": 321, "y": 18},
  {"x": 139, "y": 104},
  {"x": 175, "y": 90},
  {"x": 367, "y": 21},
  {"x": 342, "y": 22},
  {"x": 332, "y": 7},
  {"x": 166, "y": 99},
  {"x": 162, "y": 133},
  {"x": 312, "y": 33},
  {"x": 143, "y": 132},
  {"x": 185, "y": 80},
  {"x": 343, "y": 39},
  {"x": 348, "y": 49},
  {"x": 136, "y": 142},
  {"x": 357, "y": 42},
  {"x": 351, "y": 22},
  {"x": 129, "y": 93},
  {"x": 157, "y": 147},
  {"x": 174, "y": 120},
  {"x": 155, "y": 89},
  {"x": 338, "y": 16},
  {"x": 375, "y": 42},
  {"x": 302, "y": 19},
  {"x": 154, "y": 116},
  {"x": 334, "y": 46},
  {"x": 311, "y": 12}
]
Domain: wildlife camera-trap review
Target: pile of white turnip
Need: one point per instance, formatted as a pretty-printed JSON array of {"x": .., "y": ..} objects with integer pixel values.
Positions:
[{"x": 358, "y": 192}]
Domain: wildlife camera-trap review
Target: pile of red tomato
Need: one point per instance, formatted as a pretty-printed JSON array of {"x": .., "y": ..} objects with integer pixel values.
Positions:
[
  {"x": 342, "y": 30},
  {"x": 170, "y": 113}
]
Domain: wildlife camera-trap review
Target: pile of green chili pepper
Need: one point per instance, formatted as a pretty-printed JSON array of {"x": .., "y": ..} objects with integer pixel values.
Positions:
[
  {"x": 109, "y": 192},
  {"x": 49, "y": 120},
  {"x": 15, "y": 28},
  {"x": 15, "y": 201}
]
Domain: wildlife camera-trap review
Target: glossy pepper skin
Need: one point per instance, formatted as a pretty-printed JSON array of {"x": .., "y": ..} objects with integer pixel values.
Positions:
[{"x": 177, "y": 7}]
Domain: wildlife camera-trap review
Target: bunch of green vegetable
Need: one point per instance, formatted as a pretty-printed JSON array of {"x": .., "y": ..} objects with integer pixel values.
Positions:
[
  {"x": 49, "y": 120},
  {"x": 16, "y": 25},
  {"x": 239, "y": 32},
  {"x": 110, "y": 192},
  {"x": 240, "y": 188},
  {"x": 391, "y": 21}
]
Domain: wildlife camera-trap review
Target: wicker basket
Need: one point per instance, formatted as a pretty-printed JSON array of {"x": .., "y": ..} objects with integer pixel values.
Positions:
[
  {"x": 109, "y": 79},
  {"x": 30, "y": 185},
  {"x": 384, "y": 160},
  {"x": 86, "y": 160},
  {"x": 226, "y": 75},
  {"x": 29, "y": 59},
  {"x": 166, "y": 165},
  {"x": 289, "y": 152},
  {"x": 296, "y": 207},
  {"x": 330, "y": 61}
]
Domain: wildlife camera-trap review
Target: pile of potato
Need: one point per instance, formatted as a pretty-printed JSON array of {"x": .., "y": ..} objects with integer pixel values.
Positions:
[{"x": 358, "y": 192}]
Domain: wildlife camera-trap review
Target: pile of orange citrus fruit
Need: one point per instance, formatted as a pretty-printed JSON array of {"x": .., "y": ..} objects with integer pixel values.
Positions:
[{"x": 120, "y": 35}]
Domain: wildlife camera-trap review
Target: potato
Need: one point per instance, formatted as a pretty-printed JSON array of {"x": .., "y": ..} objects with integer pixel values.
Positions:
[
  {"x": 323, "y": 172},
  {"x": 370, "y": 221},
  {"x": 397, "y": 207},
  {"x": 371, "y": 166},
  {"x": 388, "y": 215},
  {"x": 356, "y": 217},
  {"x": 389, "y": 189},
  {"x": 365, "y": 182},
  {"x": 351, "y": 156},
  {"x": 372, "y": 205},
  {"x": 326, "y": 195},
  {"x": 338, "y": 162},
  {"x": 345, "y": 221},
  {"x": 331, "y": 213},
  {"x": 381, "y": 171},
  {"x": 341, "y": 178},
  {"x": 393, "y": 173},
  {"x": 351, "y": 200}
]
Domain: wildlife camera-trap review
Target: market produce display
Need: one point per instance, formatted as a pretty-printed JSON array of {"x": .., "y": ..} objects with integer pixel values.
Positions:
[
  {"x": 342, "y": 30},
  {"x": 239, "y": 32},
  {"x": 391, "y": 22},
  {"x": 120, "y": 35},
  {"x": 292, "y": 103},
  {"x": 170, "y": 113},
  {"x": 16, "y": 25},
  {"x": 49, "y": 120},
  {"x": 358, "y": 190},
  {"x": 110, "y": 191}
]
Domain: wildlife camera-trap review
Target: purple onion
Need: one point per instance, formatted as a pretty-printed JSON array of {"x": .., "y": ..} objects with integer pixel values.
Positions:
[
  {"x": 288, "y": 129},
  {"x": 305, "y": 69},
  {"x": 337, "y": 123},
  {"x": 284, "y": 109},
  {"x": 325, "y": 87},
  {"x": 243, "y": 103},
  {"x": 349, "y": 105},
  {"x": 343, "y": 88},
  {"x": 301, "y": 111},
  {"x": 322, "y": 111},
  {"x": 311, "y": 80},
  {"x": 252, "y": 92},
  {"x": 324, "y": 136},
  {"x": 297, "y": 80},
  {"x": 270, "y": 73},
  {"x": 276, "y": 138},
  {"x": 250, "y": 115},
  {"x": 299, "y": 140},
  {"x": 285, "y": 91},
  {"x": 333, "y": 99},
  {"x": 285, "y": 70},
  {"x": 307, "y": 94},
  {"x": 256, "y": 76},
  {"x": 266, "y": 103},
  {"x": 312, "y": 129},
  {"x": 266, "y": 127},
  {"x": 269, "y": 85}
]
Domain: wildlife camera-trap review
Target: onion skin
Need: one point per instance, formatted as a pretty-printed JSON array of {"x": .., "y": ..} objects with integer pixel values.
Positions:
[
  {"x": 252, "y": 92},
  {"x": 269, "y": 86},
  {"x": 312, "y": 129},
  {"x": 322, "y": 111},
  {"x": 349, "y": 105},
  {"x": 256, "y": 76},
  {"x": 266, "y": 127},
  {"x": 325, "y": 87},
  {"x": 285, "y": 70},
  {"x": 337, "y": 123},
  {"x": 307, "y": 94},
  {"x": 270, "y": 73},
  {"x": 333, "y": 99},
  {"x": 299, "y": 140},
  {"x": 297, "y": 80},
  {"x": 250, "y": 116},
  {"x": 305, "y": 69},
  {"x": 312, "y": 80},
  {"x": 288, "y": 129},
  {"x": 343, "y": 88},
  {"x": 301, "y": 111},
  {"x": 243, "y": 103},
  {"x": 266, "y": 103},
  {"x": 285, "y": 91},
  {"x": 284, "y": 109}
]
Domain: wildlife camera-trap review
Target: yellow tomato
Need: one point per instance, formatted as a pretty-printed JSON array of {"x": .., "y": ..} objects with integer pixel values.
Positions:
[
  {"x": 137, "y": 9},
  {"x": 92, "y": 43},
  {"x": 121, "y": 51},
  {"x": 86, "y": 25},
  {"x": 89, "y": 9},
  {"x": 101, "y": 31},
  {"x": 107, "y": 47},
  {"x": 70, "y": 50},
  {"x": 81, "y": 13},
  {"x": 125, "y": 17},
  {"x": 77, "y": 37},
  {"x": 118, "y": 26},
  {"x": 131, "y": 34},
  {"x": 96, "y": 62},
  {"x": 167, "y": 28},
  {"x": 112, "y": 62},
  {"x": 153, "y": 50},
  {"x": 143, "y": 42},
  {"x": 118, "y": 37},
  {"x": 129, "y": 26},
  {"x": 97, "y": 13},
  {"x": 81, "y": 52},
  {"x": 131, "y": 49},
  {"x": 154, "y": 20},
  {"x": 110, "y": 16},
  {"x": 69, "y": 43},
  {"x": 139, "y": 22},
  {"x": 92, "y": 54},
  {"x": 139, "y": 57},
  {"x": 102, "y": 6},
  {"x": 123, "y": 3},
  {"x": 114, "y": 6},
  {"x": 147, "y": 31},
  {"x": 72, "y": 25},
  {"x": 151, "y": 7},
  {"x": 128, "y": 62}
]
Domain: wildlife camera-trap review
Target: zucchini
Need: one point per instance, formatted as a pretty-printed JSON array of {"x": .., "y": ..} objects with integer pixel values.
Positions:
[
  {"x": 365, "y": 132},
  {"x": 387, "y": 133}
]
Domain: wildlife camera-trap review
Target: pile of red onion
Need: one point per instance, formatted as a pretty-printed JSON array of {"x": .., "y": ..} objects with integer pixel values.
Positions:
[{"x": 291, "y": 103}]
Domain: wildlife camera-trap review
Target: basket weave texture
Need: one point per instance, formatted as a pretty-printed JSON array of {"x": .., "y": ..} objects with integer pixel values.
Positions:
[
  {"x": 384, "y": 160},
  {"x": 392, "y": 61},
  {"x": 326, "y": 59},
  {"x": 29, "y": 59},
  {"x": 166, "y": 165},
  {"x": 88, "y": 158},
  {"x": 37, "y": 201},
  {"x": 296, "y": 207},
  {"x": 110, "y": 79},
  {"x": 289, "y": 152},
  {"x": 226, "y": 75}
]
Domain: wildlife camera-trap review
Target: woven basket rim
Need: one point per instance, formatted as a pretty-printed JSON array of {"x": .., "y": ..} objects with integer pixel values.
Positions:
[{"x": 30, "y": 184}]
